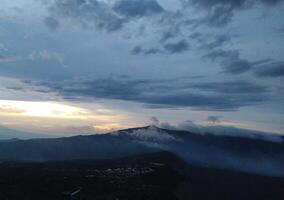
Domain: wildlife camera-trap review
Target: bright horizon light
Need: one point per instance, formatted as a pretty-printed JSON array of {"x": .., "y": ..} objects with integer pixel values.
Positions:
[
  {"x": 58, "y": 117},
  {"x": 41, "y": 109}
]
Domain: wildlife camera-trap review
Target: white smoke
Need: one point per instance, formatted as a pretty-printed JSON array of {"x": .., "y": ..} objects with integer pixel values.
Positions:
[
  {"x": 152, "y": 134},
  {"x": 222, "y": 130}
]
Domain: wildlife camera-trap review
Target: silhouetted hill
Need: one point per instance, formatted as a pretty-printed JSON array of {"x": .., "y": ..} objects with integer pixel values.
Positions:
[{"x": 236, "y": 153}]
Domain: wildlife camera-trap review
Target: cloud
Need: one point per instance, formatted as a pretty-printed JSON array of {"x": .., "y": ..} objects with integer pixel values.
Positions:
[
  {"x": 237, "y": 87},
  {"x": 218, "y": 16},
  {"x": 221, "y": 130},
  {"x": 177, "y": 47},
  {"x": 104, "y": 15},
  {"x": 274, "y": 69},
  {"x": 51, "y": 23},
  {"x": 11, "y": 58},
  {"x": 202, "y": 101},
  {"x": 154, "y": 121},
  {"x": 140, "y": 50},
  {"x": 271, "y": 2},
  {"x": 47, "y": 55},
  {"x": 233, "y": 64},
  {"x": 225, "y": 96},
  {"x": 237, "y": 66},
  {"x": 214, "y": 119},
  {"x": 221, "y": 54},
  {"x": 112, "y": 16},
  {"x": 169, "y": 33},
  {"x": 219, "y": 13},
  {"x": 10, "y": 110},
  {"x": 168, "y": 27},
  {"x": 189, "y": 125},
  {"x": 217, "y": 41},
  {"x": 137, "y": 8},
  {"x": 35, "y": 55},
  {"x": 235, "y": 4},
  {"x": 168, "y": 48},
  {"x": 280, "y": 30},
  {"x": 91, "y": 13},
  {"x": 230, "y": 61}
]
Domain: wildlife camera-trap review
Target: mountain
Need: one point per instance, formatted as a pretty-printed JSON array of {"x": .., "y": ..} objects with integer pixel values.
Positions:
[
  {"x": 7, "y": 134},
  {"x": 235, "y": 153}
]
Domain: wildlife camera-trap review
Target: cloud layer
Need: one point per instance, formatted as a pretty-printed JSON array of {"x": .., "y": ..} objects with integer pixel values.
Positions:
[
  {"x": 180, "y": 57},
  {"x": 223, "y": 96}
]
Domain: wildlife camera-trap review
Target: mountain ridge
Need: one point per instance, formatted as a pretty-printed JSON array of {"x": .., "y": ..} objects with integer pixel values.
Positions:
[{"x": 235, "y": 153}]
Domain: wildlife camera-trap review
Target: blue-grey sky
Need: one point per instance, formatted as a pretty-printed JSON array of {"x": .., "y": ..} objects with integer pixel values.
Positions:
[{"x": 70, "y": 66}]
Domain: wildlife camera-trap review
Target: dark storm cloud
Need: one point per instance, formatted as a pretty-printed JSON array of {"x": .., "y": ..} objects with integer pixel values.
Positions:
[
  {"x": 218, "y": 16},
  {"x": 221, "y": 12},
  {"x": 221, "y": 54},
  {"x": 137, "y": 50},
  {"x": 275, "y": 69},
  {"x": 88, "y": 13},
  {"x": 104, "y": 15},
  {"x": 197, "y": 36},
  {"x": 140, "y": 50},
  {"x": 271, "y": 2},
  {"x": 233, "y": 64},
  {"x": 170, "y": 33},
  {"x": 177, "y": 47},
  {"x": 112, "y": 16},
  {"x": 167, "y": 25},
  {"x": 235, "y": 4},
  {"x": 234, "y": 87},
  {"x": 168, "y": 48},
  {"x": 230, "y": 61},
  {"x": 197, "y": 101},
  {"x": 217, "y": 41},
  {"x": 236, "y": 66},
  {"x": 137, "y": 8},
  {"x": 51, "y": 23},
  {"x": 225, "y": 96},
  {"x": 281, "y": 30}
]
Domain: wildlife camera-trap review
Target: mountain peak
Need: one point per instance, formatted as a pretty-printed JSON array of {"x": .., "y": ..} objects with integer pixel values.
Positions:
[{"x": 149, "y": 127}]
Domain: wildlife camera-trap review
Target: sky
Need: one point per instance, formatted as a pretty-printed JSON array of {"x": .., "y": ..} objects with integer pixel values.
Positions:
[{"x": 91, "y": 66}]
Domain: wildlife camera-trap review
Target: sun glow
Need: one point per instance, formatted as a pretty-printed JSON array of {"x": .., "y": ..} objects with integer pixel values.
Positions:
[
  {"x": 61, "y": 117},
  {"x": 107, "y": 127},
  {"x": 41, "y": 109}
]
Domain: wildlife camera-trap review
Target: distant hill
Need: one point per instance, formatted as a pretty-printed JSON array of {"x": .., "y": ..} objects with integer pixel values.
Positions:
[
  {"x": 236, "y": 153},
  {"x": 7, "y": 134}
]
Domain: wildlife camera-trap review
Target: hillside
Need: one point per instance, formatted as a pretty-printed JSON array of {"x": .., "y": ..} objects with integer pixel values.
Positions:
[{"x": 225, "y": 152}]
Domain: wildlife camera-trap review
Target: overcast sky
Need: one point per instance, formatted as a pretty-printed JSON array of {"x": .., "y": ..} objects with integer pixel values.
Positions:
[{"x": 89, "y": 66}]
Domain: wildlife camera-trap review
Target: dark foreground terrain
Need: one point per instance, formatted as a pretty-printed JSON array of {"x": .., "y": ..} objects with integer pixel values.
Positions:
[{"x": 150, "y": 177}]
